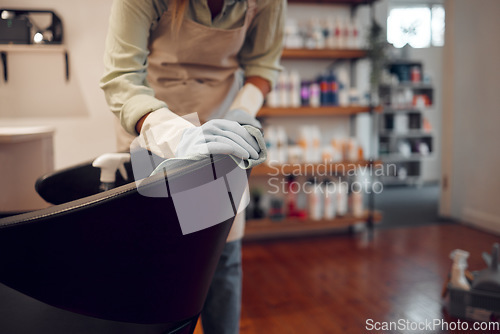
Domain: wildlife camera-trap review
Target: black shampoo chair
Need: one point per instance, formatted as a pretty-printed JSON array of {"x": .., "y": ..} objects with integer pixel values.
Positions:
[{"x": 111, "y": 262}]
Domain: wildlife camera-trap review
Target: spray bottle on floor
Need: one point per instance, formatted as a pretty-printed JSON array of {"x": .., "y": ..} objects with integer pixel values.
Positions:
[{"x": 458, "y": 279}]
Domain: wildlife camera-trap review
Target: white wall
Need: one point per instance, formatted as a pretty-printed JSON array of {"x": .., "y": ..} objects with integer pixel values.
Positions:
[
  {"x": 37, "y": 93},
  {"x": 472, "y": 113}
]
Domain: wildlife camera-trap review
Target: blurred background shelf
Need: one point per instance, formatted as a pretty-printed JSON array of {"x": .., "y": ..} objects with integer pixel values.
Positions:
[
  {"x": 323, "y": 54},
  {"x": 267, "y": 228},
  {"x": 314, "y": 111},
  {"x": 52, "y": 48}
]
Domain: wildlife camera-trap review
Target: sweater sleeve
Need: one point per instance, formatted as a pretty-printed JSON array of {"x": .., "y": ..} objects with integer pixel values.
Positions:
[
  {"x": 125, "y": 60},
  {"x": 261, "y": 51}
]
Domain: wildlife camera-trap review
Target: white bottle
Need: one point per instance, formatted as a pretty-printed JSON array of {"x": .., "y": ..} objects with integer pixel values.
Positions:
[
  {"x": 295, "y": 89},
  {"x": 352, "y": 149},
  {"x": 355, "y": 37},
  {"x": 314, "y": 200},
  {"x": 402, "y": 173},
  {"x": 292, "y": 39},
  {"x": 330, "y": 42},
  {"x": 317, "y": 34},
  {"x": 357, "y": 203},
  {"x": 271, "y": 138},
  {"x": 346, "y": 33},
  {"x": 305, "y": 142},
  {"x": 272, "y": 97},
  {"x": 283, "y": 90},
  {"x": 314, "y": 95},
  {"x": 342, "y": 198},
  {"x": 282, "y": 145},
  {"x": 316, "y": 144},
  {"x": 330, "y": 200},
  {"x": 340, "y": 33},
  {"x": 458, "y": 279},
  {"x": 344, "y": 86}
]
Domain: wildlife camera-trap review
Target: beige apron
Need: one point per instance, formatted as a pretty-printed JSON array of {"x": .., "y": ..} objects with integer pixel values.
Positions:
[{"x": 195, "y": 71}]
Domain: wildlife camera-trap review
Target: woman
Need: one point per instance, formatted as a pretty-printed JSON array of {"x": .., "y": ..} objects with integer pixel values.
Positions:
[{"x": 170, "y": 58}]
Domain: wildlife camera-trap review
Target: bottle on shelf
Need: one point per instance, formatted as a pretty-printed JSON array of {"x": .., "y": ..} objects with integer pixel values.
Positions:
[
  {"x": 342, "y": 198},
  {"x": 325, "y": 90},
  {"x": 339, "y": 33},
  {"x": 295, "y": 89},
  {"x": 271, "y": 139},
  {"x": 283, "y": 89},
  {"x": 337, "y": 149},
  {"x": 304, "y": 93},
  {"x": 329, "y": 27},
  {"x": 357, "y": 203},
  {"x": 314, "y": 95},
  {"x": 282, "y": 145},
  {"x": 351, "y": 149},
  {"x": 354, "y": 38},
  {"x": 314, "y": 196},
  {"x": 315, "y": 155},
  {"x": 272, "y": 98},
  {"x": 330, "y": 200},
  {"x": 276, "y": 209},
  {"x": 333, "y": 89},
  {"x": 318, "y": 38},
  {"x": 343, "y": 86},
  {"x": 293, "y": 38},
  {"x": 291, "y": 206}
]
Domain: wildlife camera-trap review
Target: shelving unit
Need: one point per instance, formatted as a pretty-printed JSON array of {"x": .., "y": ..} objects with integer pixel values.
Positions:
[
  {"x": 269, "y": 228},
  {"x": 405, "y": 133},
  {"x": 6, "y": 49}
]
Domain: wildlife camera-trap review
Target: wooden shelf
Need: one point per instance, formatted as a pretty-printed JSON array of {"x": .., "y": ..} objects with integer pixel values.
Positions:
[
  {"x": 267, "y": 228},
  {"x": 28, "y": 48},
  {"x": 310, "y": 168},
  {"x": 323, "y": 54},
  {"x": 314, "y": 111},
  {"x": 49, "y": 48},
  {"x": 334, "y": 2}
]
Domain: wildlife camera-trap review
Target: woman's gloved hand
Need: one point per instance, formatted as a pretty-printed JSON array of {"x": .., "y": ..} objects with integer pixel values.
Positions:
[
  {"x": 243, "y": 118},
  {"x": 218, "y": 136}
]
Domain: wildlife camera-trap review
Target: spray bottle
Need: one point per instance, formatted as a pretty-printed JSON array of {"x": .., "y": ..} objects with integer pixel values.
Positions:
[
  {"x": 109, "y": 163},
  {"x": 458, "y": 279}
]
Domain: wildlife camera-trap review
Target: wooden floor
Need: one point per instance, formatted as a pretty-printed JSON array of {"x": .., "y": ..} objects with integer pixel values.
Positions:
[{"x": 334, "y": 284}]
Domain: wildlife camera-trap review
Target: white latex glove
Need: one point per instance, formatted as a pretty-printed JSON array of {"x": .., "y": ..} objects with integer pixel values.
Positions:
[
  {"x": 162, "y": 131},
  {"x": 168, "y": 135},
  {"x": 218, "y": 136},
  {"x": 243, "y": 118}
]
